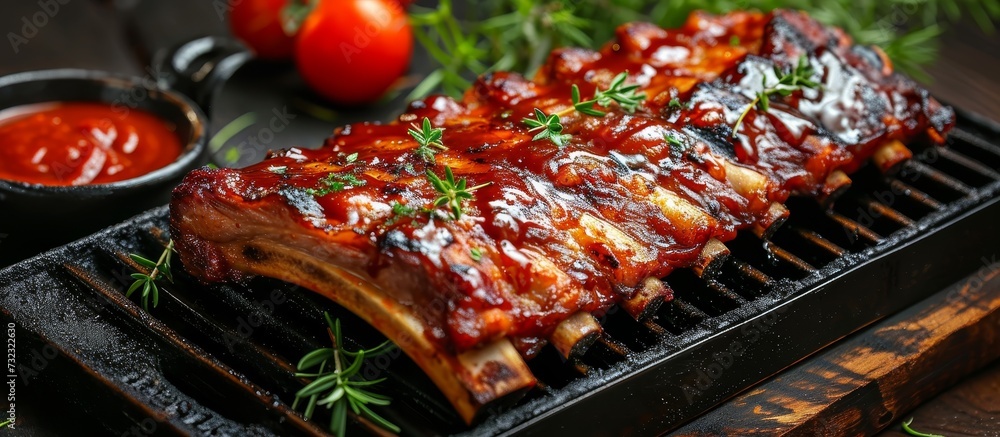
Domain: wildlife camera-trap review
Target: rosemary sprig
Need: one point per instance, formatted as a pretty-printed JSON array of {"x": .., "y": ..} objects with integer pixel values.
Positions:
[
  {"x": 428, "y": 140},
  {"x": 147, "y": 281},
  {"x": 911, "y": 431},
  {"x": 451, "y": 193},
  {"x": 549, "y": 126},
  {"x": 796, "y": 79},
  {"x": 5, "y": 423},
  {"x": 337, "y": 386}
]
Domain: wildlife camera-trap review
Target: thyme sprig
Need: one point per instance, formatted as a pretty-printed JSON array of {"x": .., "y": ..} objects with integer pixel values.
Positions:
[
  {"x": 147, "y": 281},
  {"x": 451, "y": 193},
  {"x": 676, "y": 103},
  {"x": 675, "y": 143},
  {"x": 549, "y": 126},
  {"x": 339, "y": 387},
  {"x": 335, "y": 182},
  {"x": 625, "y": 96},
  {"x": 428, "y": 139},
  {"x": 798, "y": 78}
]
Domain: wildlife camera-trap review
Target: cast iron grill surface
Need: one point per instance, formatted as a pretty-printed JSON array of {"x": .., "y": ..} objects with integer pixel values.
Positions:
[{"x": 218, "y": 359}]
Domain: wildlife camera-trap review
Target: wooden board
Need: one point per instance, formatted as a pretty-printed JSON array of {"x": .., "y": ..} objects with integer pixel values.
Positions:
[
  {"x": 875, "y": 378},
  {"x": 971, "y": 408}
]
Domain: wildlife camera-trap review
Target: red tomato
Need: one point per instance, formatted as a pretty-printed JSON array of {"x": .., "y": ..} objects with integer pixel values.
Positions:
[
  {"x": 258, "y": 24},
  {"x": 351, "y": 51}
]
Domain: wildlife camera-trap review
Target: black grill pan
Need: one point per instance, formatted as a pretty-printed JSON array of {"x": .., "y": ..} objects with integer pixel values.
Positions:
[{"x": 217, "y": 360}]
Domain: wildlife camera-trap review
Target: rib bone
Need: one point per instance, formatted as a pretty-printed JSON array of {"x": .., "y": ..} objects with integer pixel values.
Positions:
[
  {"x": 889, "y": 156},
  {"x": 648, "y": 297},
  {"x": 834, "y": 186},
  {"x": 776, "y": 216},
  {"x": 574, "y": 335},
  {"x": 712, "y": 256}
]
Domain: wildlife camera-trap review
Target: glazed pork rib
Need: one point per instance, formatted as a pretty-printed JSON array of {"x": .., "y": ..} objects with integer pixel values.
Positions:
[{"x": 561, "y": 232}]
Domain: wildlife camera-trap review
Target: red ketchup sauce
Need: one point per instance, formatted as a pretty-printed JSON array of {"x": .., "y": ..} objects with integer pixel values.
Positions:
[{"x": 79, "y": 143}]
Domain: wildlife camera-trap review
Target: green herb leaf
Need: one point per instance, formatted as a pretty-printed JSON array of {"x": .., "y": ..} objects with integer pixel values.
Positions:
[
  {"x": 624, "y": 96},
  {"x": 335, "y": 182},
  {"x": 142, "y": 261},
  {"x": 332, "y": 385},
  {"x": 451, "y": 193},
  {"x": 403, "y": 210},
  {"x": 586, "y": 107},
  {"x": 548, "y": 128},
  {"x": 911, "y": 431},
  {"x": 476, "y": 254},
  {"x": 799, "y": 78},
  {"x": 675, "y": 143},
  {"x": 314, "y": 358},
  {"x": 147, "y": 281},
  {"x": 428, "y": 140}
]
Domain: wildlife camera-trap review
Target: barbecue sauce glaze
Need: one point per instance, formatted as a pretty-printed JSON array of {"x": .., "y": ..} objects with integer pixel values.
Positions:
[{"x": 578, "y": 228}]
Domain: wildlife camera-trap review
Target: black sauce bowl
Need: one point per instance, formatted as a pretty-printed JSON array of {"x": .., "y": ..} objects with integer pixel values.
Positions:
[{"x": 35, "y": 217}]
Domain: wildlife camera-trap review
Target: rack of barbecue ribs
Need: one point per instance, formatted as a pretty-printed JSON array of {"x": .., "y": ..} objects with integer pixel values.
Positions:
[{"x": 471, "y": 283}]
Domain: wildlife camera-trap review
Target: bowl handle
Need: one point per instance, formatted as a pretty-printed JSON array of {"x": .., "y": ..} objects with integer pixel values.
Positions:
[{"x": 198, "y": 68}]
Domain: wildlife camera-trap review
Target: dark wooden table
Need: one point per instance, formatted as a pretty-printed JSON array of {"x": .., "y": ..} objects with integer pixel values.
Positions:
[{"x": 123, "y": 35}]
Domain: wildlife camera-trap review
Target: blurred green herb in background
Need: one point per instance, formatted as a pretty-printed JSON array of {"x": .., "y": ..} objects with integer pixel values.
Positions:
[{"x": 517, "y": 35}]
